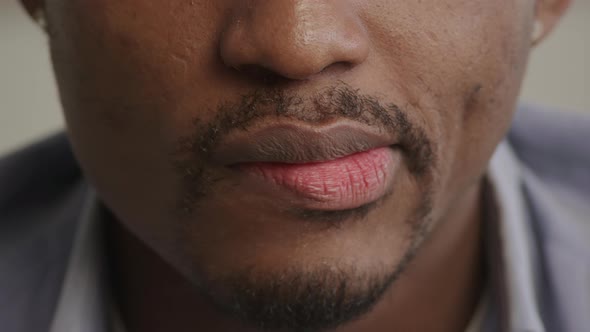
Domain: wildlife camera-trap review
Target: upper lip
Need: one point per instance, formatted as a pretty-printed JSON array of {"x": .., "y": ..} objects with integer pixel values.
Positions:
[{"x": 296, "y": 143}]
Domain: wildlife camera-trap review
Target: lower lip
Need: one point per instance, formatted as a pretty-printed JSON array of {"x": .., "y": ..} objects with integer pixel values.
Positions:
[{"x": 339, "y": 184}]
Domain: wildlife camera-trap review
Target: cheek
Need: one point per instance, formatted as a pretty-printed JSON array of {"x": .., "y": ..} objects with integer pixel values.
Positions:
[
  {"x": 127, "y": 62},
  {"x": 119, "y": 76},
  {"x": 444, "y": 49},
  {"x": 462, "y": 64}
]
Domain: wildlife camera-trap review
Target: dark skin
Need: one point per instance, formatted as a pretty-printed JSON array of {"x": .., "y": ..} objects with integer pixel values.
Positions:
[
  {"x": 135, "y": 77},
  {"x": 415, "y": 303}
]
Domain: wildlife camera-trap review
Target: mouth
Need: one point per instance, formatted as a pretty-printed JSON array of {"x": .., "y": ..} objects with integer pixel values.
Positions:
[
  {"x": 334, "y": 168},
  {"x": 296, "y": 144}
]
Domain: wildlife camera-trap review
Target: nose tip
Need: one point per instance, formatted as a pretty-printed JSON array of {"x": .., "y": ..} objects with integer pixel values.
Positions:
[{"x": 294, "y": 39}]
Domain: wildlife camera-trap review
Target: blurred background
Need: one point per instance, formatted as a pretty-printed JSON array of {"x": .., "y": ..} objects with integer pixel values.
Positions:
[{"x": 559, "y": 74}]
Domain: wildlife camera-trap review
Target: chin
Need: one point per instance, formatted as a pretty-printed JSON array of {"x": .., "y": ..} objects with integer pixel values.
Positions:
[
  {"x": 298, "y": 274},
  {"x": 299, "y": 297}
]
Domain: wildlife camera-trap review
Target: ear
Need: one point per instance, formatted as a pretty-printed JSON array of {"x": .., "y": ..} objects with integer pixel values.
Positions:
[
  {"x": 33, "y": 7},
  {"x": 548, "y": 13}
]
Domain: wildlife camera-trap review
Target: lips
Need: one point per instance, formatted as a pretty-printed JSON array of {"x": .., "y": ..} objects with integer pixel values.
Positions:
[
  {"x": 339, "y": 167},
  {"x": 293, "y": 144}
]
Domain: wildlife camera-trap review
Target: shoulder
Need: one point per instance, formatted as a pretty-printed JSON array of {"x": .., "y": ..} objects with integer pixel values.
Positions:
[
  {"x": 553, "y": 148},
  {"x": 555, "y": 145},
  {"x": 41, "y": 197},
  {"x": 35, "y": 181},
  {"x": 37, "y": 174}
]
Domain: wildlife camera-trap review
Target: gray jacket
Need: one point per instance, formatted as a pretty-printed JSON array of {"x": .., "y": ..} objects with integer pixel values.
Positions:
[{"x": 42, "y": 192}]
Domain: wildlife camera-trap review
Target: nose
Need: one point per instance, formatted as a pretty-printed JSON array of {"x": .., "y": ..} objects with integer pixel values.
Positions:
[{"x": 293, "y": 39}]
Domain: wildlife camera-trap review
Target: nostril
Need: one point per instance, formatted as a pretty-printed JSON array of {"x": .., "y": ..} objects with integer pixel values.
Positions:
[
  {"x": 340, "y": 66},
  {"x": 260, "y": 74},
  {"x": 268, "y": 76}
]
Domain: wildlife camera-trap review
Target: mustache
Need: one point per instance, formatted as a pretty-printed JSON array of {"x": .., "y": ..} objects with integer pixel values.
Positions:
[
  {"x": 339, "y": 102},
  {"x": 328, "y": 105}
]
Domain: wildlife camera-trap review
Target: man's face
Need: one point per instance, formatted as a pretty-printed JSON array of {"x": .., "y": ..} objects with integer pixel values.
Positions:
[{"x": 289, "y": 156}]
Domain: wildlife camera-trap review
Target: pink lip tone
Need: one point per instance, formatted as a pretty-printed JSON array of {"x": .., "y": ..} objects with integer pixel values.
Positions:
[{"x": 340, "y": 184}]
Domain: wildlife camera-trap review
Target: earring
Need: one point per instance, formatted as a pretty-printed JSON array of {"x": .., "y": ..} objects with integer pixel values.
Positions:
[
  {"x": 537, "y": 32},
  {"x": 40, "y": 18}
]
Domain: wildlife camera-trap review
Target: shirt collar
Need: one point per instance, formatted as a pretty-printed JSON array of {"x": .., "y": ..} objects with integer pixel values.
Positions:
[
  {"x": 85, "y": 302},
  {"x": 515, "y": 249},
  {"x": 84, "y": 296}
]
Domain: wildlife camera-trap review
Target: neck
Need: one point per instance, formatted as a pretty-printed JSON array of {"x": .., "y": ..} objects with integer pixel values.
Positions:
[{"x": 438, "y": 292}]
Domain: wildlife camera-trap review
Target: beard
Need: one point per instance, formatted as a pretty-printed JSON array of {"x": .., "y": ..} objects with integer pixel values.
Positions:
[
  {"x": 304, "y": 298},
  {"x": 308, "y": 300}
]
